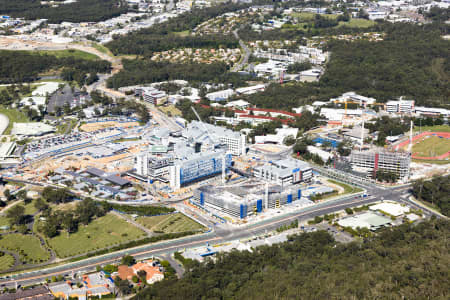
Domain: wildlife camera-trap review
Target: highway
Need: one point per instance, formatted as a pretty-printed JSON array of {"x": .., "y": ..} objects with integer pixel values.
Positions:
[{"x": 218, "y": 234}]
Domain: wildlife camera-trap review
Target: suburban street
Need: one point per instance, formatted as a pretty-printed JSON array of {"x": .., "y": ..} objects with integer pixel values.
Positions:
[{"x": 246, "y": 54}]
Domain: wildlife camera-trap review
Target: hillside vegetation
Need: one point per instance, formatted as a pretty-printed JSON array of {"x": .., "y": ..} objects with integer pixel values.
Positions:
[
  {"x": 78, "y": 11},
  {"x": 408, "y": 262},
  {"x": 24, "y": 66},
  {"x": 412, "y": 61}
]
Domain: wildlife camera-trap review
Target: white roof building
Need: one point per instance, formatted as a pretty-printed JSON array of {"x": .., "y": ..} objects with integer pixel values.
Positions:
[
  {"x": 277, "y": 138},
  {"x": 336, "y": 114},
  {"x": 31, "y": 129},
  {"x": 238, "y": 104},
  {"x": 394, "y": 209},
  {"x": 368, "y": 220},
  {"x": 220, "y": 95},
  {"x": 353, "y": 97}
]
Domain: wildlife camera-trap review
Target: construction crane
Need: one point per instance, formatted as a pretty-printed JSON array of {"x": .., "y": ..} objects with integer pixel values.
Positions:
[{"x": 201, "y": 122}]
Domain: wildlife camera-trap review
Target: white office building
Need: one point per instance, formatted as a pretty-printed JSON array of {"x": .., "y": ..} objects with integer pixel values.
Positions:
[
  {"x": 373, "y": 161},
  {"x": 220, "y": 95},
  {"x": 208, "y": 134},
  {"x": 284, "y": 172},
  {"x": 400, "y": 106}
]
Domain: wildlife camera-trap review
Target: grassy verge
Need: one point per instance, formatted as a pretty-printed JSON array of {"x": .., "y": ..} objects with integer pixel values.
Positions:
[
  {"x": 13, "y": 115},
  {"x": 431, "y": 161},
  {"x": 171, "y": 109},
  {"x": 348, "y": 189},
  {"x": 102, "y": 49},
  {"x": 170, "y": 223},
  {"x": 126, "y": 140},
  {"x": 100, "y": 233},
  {"x": 61, "y": 129}
]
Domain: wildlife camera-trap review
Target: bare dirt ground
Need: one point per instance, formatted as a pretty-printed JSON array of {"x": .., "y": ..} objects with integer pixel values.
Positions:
[{"x": 89, "y": 127}]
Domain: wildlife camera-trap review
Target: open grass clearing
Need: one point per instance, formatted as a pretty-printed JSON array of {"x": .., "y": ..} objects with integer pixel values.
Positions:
[
  {"x": 13, "y": 115},
  {"x": 27, "y": 246},
  {"x": 101, "y": 233},
  {"x": 431, "y": 146},
  {"x": 70, "y": 53},
  {"x": 176, "y": 222},
  {"x": 182, "y": 33},
  {"x": 357, "y": 23},
  {"x": 6, "y": 262}
]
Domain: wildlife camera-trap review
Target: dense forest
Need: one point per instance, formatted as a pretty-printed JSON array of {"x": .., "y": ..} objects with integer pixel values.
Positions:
[
  {"x": 140, "y": 71},
  {"x": 407, "y": 262},
  {"x": 149, "y": 43},
  {"x": 22, "y": 66},
  {"x": 412, "y": 61},
  {"x": 78, "y": 11},
  {"x": 165, "y": 36},
  {"x": 435, "y": 192}
]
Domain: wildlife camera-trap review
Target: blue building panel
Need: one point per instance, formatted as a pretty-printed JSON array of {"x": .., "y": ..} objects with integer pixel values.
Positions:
[
  {"x": 321, "y": 140},
  {"x": 289, "y": 198},
  {"x": 259, "y": 205},
  {"x": 243, "y": 211},
  {"x": 196, "y": 170}
]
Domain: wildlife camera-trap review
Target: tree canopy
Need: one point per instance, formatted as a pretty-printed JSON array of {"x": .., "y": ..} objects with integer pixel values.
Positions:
[
  {"x": 77, "y": 11},
  {"x": 435, "y": 191},
  {"x": 407, "y": 262},
  {"x": 23, "y": 66}
]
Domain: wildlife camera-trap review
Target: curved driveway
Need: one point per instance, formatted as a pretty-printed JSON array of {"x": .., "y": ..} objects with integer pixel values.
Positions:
[{"x": 4, "y": 122}]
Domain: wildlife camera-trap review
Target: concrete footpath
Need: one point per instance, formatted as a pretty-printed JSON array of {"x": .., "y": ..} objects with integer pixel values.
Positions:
[{"x": 4, "y": 122}]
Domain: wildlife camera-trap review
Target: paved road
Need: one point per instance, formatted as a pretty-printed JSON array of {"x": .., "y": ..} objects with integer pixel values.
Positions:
[
  {"x": 218, "y": 235},
  {"x": 247, "y": 53}
]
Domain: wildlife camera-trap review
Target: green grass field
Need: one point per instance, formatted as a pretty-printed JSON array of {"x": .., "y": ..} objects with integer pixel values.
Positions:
[
  {"x": 431, "y": 146},
  {"x": 6, "y": 262},
  {"x": 100, "y": 233},
  {"x": 437, "y": 128},
  {"x": 182, "y": 33},
  {"x": 13, "y": 115},
  {"x": 309, "y": 16},
  {"x": 28, "y": 247},
  {"x": 71, "y": 53},
  {"x": 357, "y": 23},
  {"x": 4, "y": 221},
  {"x": 170, "y": 223}
]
